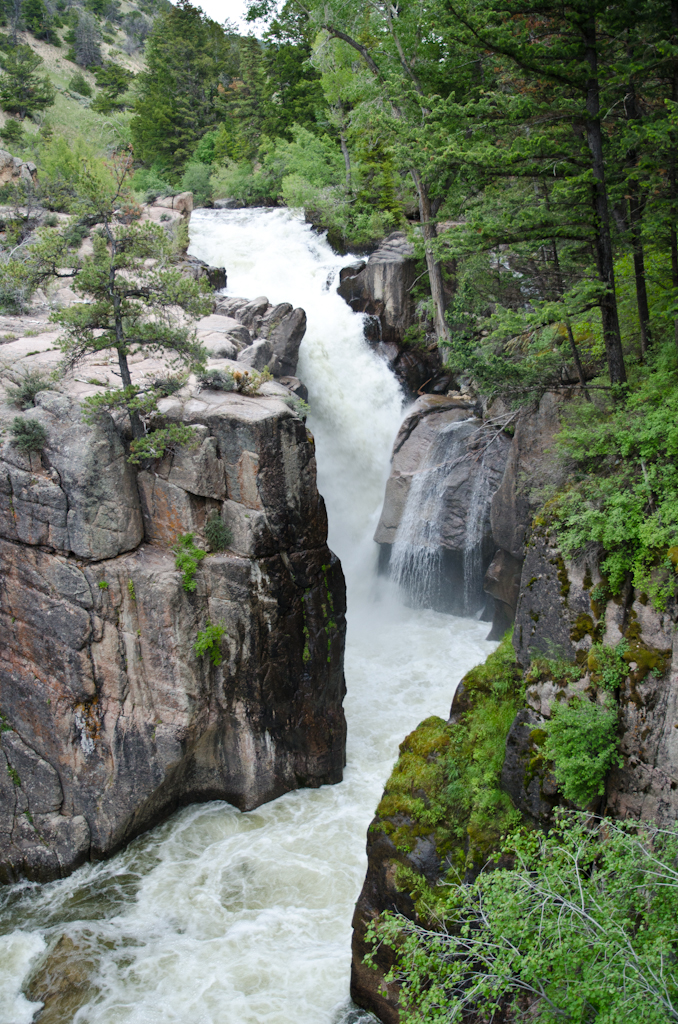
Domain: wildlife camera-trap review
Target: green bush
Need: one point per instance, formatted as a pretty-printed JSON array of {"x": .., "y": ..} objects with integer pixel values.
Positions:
[
  {"x": 157, "y": 443},
  {"x": 28, "y": 435},
  {"x": 187, "y": 560},
  {"x": 13, "y": 133},
  {"x": 196, "y": 179},
  {"x": 582, "y": 742},
  {"x": 622, "y": 488},
  {"x": 580, "y": 928},
  {"x": 217, "y": 533},
  {"x": 208, "y": 642},
  {"x": 79, "y": 84},
  {"x": 23, "y": 394},
  {"x": 246, "y": 382}
]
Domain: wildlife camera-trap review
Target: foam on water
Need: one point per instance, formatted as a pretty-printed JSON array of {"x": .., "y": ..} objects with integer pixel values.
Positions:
[{"x": 218, "y": 917}]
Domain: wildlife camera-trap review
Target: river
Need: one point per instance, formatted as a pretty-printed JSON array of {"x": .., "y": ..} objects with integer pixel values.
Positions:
[{"x": 218, "y": 917}]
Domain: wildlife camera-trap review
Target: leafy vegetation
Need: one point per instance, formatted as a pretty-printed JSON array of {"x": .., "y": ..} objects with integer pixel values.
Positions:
[
  {"x": 218, "y": 535},
  {"x": 582, "y": 743},
  {"x": 446, "y": 779},
  {"x": 580, "y": 928},
  {"x": 187, "y": 559},
  {"x": 209, "y": 641},
  {"x": 31, "y": 383}
]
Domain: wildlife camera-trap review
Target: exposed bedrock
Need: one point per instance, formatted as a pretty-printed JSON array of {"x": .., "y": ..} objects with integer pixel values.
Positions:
[
  {"x": 382, "y": 288},
  {"x": 260, "y": 333},
  {"x": 110, "y": 720},
  {"x": 445, "y": 467}
]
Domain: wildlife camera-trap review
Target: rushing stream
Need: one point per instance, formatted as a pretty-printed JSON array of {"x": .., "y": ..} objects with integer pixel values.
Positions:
[{"x": 218, "y": 917}]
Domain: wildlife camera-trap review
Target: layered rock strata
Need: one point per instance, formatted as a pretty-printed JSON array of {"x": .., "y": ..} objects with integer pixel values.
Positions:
[{"x": 110, "y": 720}]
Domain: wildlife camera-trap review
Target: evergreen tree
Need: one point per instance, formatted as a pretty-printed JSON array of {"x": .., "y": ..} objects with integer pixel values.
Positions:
[
  {"x": 87, "y": 41},
  {"x": 113, "y": 80},
  {"x": 188, "y": 59},
  {"x": 22, "y": 92},
  {"x": 135, "y": 297}
]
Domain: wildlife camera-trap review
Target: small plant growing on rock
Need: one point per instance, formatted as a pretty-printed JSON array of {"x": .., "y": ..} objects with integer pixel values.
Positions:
[
  {"x": 28, "y": 435},
  {"x": 298, "y": 406},
  {"x": 581, "y": 740},
  {"x": 103, "y": 584},
  {"x": 187, "y": 559},
  {"x": 217, "y": 533},
  {"x": 607, "y": 665},
  {"x": 158, "y": 443},
  {"x": 245, "y": 382},
  {"x": 23, "y": 393},
  {"x": 209, "y": 641},
  {"x": 131, "y": 590},
  {"x": 14, "y": 775}
]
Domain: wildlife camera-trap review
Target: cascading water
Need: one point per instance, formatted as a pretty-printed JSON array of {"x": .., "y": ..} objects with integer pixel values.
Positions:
[
  {"x": 416, "y": 558},
  {"x": 218, "y": 917}
]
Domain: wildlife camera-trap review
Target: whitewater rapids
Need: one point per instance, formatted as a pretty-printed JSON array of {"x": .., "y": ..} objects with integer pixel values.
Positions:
[{"x": 218, "y": 917}]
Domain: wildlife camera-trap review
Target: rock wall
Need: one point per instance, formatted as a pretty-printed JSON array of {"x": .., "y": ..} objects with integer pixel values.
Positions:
[
  {"x": 382, "y": 288},
  {"x": 485, "y": 452},
  {"x": 110, "y": 720}
]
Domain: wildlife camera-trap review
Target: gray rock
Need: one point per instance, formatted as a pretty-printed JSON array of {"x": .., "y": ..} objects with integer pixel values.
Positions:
[
  {"x": 285, "y": 339},
  {"x": 382, "y": 286},
  {"x": 226, "y": 204},
  {"x": 258, "y": 355},
  {"x": 524, "y": 776}
]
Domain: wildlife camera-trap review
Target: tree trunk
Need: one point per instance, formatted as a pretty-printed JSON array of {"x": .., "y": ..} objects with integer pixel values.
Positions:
[
  {"x": 603, "y": 240},
  {"x": 674, "y": 188},
  {"x": 560, "y": 286},
  {"x": 636, "y": 209},
  {"x": 435, "y": 273},
  {"x": 636, "y": 218}
]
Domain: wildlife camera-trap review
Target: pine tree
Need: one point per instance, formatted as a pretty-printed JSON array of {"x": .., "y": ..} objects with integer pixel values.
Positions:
[
  {"x": 22, "y": 92},
  {"x": 87, "y": 41}
]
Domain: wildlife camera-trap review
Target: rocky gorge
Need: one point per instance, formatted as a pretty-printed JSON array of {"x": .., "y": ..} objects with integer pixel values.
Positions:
[{"x": 112, "y": 722}]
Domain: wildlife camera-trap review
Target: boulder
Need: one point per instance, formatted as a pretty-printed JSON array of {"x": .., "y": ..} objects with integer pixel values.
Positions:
[
  {"x": 257, "y": 355},
  {"x": 285, "y": 339},
  {"x": 14, "y": 169},
  {"x": 226, "y": 204},
  {"x": 183, "y": 202},
  {"x": 216, "y": 276}
]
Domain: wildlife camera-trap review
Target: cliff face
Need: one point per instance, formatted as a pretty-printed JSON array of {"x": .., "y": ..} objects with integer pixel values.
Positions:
[
  {"x": 561, "y": 609},
  {"x": 110, "y": 720}
]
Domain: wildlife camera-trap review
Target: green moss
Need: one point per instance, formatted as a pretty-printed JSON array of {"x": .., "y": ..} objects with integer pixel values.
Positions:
[
  {"x": 445, "y": 783},
  {"x": 588, "y": 581},
  {"x": 585, "y": 626},
  {"x": 647, "y": 659},
  {"x": 563, "y": 578},
  {"x": 534, "y": 616}
]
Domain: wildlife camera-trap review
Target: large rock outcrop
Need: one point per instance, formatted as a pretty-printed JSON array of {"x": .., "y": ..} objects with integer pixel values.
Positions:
[
  {"x": 110, "y": 720},
  {"x": 382, "y": 288},
  {"x": 444, "y": 442},
  {"x": 276, "y": 331}
]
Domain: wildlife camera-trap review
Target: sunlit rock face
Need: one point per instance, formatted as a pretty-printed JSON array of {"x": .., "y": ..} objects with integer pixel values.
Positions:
[{"x": 110, "y": 718}]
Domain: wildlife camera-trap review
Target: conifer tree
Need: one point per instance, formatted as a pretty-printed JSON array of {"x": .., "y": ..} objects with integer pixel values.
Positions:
[{"x": 22, "y": 92}]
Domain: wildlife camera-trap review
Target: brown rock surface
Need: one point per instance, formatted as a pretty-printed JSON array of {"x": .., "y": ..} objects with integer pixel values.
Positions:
[{"x": 110, "y": 720}]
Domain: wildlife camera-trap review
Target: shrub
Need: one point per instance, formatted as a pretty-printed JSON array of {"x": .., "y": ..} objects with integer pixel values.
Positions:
[
  {"x": 187, "y": 559},
  {"x": 581, "y": 927},
  {"x": 79, "y": 84},
  {"x": 23, "y": 394},
  {"x": 581, "y": 740},
  {"x": 246, "y": 382},
  {"x": 158, "y": 443},
  {"x": 217, "y": 533},
  {"x": 28, "y": 435},
  {"x": 208, "y": 642},
  {"x": 13, "y": 133},
  {"x": 608, "y": 666},
  {"x": 196, "y": 179}
]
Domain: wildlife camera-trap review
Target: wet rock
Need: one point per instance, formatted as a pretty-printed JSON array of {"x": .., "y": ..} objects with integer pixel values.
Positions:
[
  {"x": 524, "y": 775},
  {"x": 62, "y": 981},
  {"x": 382, "y": 286},
  {"x": 502, "y": 581}
]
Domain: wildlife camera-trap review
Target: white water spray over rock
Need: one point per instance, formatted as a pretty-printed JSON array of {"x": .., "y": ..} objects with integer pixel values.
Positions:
[{"x": 218, "y": 917}]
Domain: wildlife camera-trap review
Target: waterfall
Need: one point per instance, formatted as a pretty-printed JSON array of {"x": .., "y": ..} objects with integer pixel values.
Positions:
[
  {"x": 473, "y": 539},
  {"x": 416, "y": 558},
  {"x": 219, "y": 917},
  {"x": 417, "y": 564}
]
